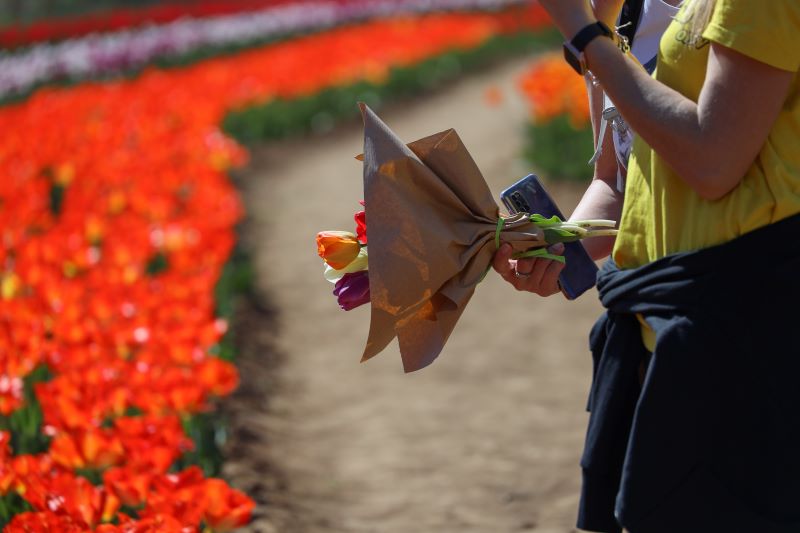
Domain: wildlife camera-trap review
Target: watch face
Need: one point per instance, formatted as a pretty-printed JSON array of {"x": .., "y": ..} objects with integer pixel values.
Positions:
[{"x": 573, "y": 59}]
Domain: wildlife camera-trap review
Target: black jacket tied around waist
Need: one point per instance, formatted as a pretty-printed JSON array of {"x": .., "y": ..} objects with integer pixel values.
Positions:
[{"x": 709, "y": 440}]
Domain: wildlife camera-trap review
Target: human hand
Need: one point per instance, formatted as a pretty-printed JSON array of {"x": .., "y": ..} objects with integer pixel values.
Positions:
[
  {"x": 535, "y": 275},
  {"x": 570, "y": 16}
]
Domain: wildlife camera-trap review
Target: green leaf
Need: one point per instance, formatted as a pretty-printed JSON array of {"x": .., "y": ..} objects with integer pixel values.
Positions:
[
  {"x": 25, "y": 423},
  {"x": 541, "y": 253},
  {"x": 543, "y": 222},
  {"x": 57, "y": 193},
  {"x": 553, "y": 236},
  {"x": 157, "y": 264}
]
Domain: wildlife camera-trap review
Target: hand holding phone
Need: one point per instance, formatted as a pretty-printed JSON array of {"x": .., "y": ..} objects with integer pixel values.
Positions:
[{"x": 528, "y": 195}]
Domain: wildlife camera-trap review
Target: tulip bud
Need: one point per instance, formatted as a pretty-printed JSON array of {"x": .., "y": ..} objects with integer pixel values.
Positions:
[
  {"x": 337, "y": 248},
  {"x": 361, "y": 226},
  {"x": 352, "y": 290}
]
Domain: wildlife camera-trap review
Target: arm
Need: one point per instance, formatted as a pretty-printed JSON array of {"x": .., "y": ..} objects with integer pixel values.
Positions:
[
  {"x": 601, "y": 199},
  {"x": 607, "y": 10},
  {"x": 707, "y": 144}
]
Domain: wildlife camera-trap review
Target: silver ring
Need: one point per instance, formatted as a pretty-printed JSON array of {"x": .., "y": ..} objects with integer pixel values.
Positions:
[{"x": 518, "y": 274}]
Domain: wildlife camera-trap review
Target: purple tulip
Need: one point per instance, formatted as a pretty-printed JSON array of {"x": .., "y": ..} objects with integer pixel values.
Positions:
[{"x": 352, "y": 290}]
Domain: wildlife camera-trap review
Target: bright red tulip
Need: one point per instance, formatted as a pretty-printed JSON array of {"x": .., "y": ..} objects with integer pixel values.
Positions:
[{"x": 361, "y": 226}]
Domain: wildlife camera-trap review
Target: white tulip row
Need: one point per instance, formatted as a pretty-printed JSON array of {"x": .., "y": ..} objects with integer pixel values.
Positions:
[{"x": 104, "y": 54}]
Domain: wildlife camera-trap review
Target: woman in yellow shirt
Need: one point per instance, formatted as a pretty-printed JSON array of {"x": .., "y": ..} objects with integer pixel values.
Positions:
[{"x": 708, "y": 255}]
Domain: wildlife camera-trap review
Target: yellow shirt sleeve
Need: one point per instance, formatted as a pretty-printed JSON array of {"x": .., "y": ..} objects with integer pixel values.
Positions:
[{"x": 766, "y": 31}]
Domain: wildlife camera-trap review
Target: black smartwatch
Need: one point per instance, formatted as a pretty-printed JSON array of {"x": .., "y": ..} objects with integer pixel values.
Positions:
[{"x": 573, "y": 50}]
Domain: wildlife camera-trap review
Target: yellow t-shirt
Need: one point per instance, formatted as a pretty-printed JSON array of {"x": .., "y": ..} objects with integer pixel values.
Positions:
[{"x": 661, "y": 214}]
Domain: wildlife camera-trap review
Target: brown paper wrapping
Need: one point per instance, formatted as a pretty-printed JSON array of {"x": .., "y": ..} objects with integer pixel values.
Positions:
[{"x": 431, "y": 222}]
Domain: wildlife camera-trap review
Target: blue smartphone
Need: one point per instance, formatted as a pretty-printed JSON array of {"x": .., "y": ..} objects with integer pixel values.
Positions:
[{"x": 528, "y": 195}]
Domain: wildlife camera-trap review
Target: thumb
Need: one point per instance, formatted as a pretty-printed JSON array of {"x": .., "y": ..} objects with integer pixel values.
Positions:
[{"x": 556, "y": 249}]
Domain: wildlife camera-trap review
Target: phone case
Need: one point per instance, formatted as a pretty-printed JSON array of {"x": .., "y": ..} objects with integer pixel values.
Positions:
[{"x": 528, "y": 195}]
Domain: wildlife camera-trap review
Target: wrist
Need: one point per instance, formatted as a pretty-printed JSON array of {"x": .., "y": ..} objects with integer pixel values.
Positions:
[
  {"x": 598, "y": 51},
  {"x": 574, "y": 48},
  {"x": 576, "y": 23}
]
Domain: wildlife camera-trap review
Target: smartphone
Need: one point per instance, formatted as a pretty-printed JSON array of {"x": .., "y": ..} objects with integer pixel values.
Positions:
[{"x": 528, "y": 195}]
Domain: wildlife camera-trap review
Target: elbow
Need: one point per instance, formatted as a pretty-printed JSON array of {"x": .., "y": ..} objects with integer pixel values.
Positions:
[
  {"x": 712, "y": 181},
  {"x": 711, "y": 191}
]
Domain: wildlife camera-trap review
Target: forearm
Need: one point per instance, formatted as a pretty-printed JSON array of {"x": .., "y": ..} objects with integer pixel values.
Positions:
[
  {"x": 665, "y": 119},
  {"x": 601, "y": 200},
  {"x": 711, "y": 143}
]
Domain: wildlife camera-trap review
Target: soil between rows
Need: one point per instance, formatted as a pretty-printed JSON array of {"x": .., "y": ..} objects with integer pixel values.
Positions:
[{"x": 486, "y": 440}]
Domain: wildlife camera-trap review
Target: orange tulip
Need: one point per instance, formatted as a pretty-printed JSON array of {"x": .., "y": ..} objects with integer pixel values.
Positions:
[
  {"x": 552, "y": 89},
  {"x": 94, "y": 448},
  {"x": 129, "y": 485},
  {"x": 42, "y": 522},
  {"x": 6, "y": 469},
  {"x": 338, "y": 248},
  {"x": 227, "y": 508}
]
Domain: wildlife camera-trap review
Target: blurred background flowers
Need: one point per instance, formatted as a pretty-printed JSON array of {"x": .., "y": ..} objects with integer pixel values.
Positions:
[
  {"x": 559, "y": 133},
  {"x": 119, "y": 261}
]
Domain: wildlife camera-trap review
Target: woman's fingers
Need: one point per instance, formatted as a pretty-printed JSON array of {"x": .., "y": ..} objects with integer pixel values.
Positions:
[
  {"x": 501, "y": 262},
  {"x": 549, "y": 283},
  {"x": 535, "y": 275}
]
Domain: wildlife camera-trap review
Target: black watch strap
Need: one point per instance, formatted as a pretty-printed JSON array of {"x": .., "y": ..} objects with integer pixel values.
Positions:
[
  {"x": 588, "y": 33},
  {"x": 573, "y": 50}
]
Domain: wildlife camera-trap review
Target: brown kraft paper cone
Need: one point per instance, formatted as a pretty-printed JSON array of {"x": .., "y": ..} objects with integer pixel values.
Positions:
[{"x": 431, "y": 222}]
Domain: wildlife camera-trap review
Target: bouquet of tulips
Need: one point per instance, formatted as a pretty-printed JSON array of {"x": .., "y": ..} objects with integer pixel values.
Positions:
[
  {"x": 345, "y": 256},
  {"x": 347, "y": 264},
  {"x": 434, "y": 230}
]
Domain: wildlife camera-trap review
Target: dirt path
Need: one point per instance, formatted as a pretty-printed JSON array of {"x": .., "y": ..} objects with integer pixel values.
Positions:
[{"x": 487, "y": 440}]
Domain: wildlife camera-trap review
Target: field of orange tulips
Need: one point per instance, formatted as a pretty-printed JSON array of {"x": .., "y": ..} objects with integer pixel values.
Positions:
[{"x": 117, "y": 219}]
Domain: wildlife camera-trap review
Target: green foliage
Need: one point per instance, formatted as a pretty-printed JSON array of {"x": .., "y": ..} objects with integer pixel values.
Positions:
[
  {"x": 236, "y": 279},
  {"x": 208, "y": 432},
  {"x": 25, "y": 423},
  {"x": 559, "y": 151},
  {"x": 12, "y": 504},
  {"x": 57, "y": 193},
  {"x": 94, "y": 475},
  {"x": 158, "y": 263}
]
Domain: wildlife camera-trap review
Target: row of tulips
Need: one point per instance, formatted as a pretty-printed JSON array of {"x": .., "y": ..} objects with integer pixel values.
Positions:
[
  {"x": 116, "y": 19},
  {"x": 117, "y": 218},
  {"x": 559, "y": 137},
  {"x": 107, "y": 54}
]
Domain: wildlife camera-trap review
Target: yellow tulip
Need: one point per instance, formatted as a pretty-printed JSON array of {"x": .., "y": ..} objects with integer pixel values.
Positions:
[{"x": 361, "y": 262}]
